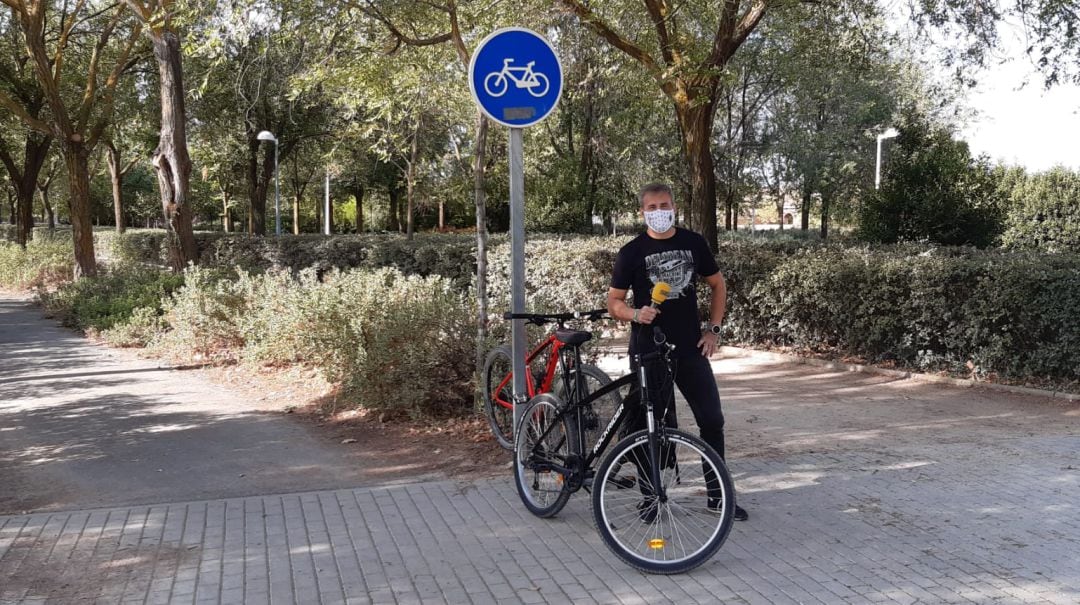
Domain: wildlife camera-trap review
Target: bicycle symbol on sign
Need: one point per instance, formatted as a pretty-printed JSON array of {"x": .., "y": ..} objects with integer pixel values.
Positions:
[{"x": 536, "y": 83}]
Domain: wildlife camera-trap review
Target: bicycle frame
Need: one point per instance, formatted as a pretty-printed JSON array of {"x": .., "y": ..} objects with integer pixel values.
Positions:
[
  {"x": 577, "y": 407},
  {"x": 531, "y": 388}
]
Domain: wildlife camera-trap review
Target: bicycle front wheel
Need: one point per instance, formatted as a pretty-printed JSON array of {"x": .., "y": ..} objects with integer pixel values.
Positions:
[
  {"x": 498, "y": 385},
  {"x": 672, "y": 529},
  {"x": 542, "y": 446}
]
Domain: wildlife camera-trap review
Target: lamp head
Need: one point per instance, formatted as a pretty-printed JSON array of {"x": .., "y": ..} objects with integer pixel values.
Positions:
[{"x": 266, "y": 135}]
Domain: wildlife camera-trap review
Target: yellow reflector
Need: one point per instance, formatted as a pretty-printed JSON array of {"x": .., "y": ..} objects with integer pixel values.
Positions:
[{"x": 656, "y": 543}]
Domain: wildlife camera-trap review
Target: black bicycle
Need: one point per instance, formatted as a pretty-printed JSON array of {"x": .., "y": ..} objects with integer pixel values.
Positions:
[{"x": 662, "y": 499}]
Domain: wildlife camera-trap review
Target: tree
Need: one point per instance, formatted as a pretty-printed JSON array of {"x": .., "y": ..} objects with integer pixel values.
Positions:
[
  {"x": 685, "y": 52},
  {"x": 840, "y": 87},
  {"x": 170, "y": 160},
  {"x": 22, "y": 161},
  {"x": 933, "y": 189},
  {"x": 77, "y": 125}
]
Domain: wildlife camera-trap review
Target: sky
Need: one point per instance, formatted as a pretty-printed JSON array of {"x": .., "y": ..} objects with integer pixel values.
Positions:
[
  {"x": 1022, "y": 124},
  {"x": 1016, "y": 120}
]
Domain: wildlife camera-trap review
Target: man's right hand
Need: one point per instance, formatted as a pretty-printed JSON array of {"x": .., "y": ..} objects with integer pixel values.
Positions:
[{"x": 646, "y": 315}]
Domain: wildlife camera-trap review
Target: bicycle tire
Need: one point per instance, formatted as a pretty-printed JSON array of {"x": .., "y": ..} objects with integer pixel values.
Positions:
[
  {"x": 496, "y": 87},
  {"x": 543, "y": 491},
  {"x": 663, "y": 537},
  {"x": 602, "y": 409},
  {"x": 499, "y": 395}
]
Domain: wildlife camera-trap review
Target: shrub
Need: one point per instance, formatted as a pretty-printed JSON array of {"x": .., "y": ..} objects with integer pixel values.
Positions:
[
  {"x": 933, "y": 190},
  {"x": 397, "y": 343},
  {"x": 1044, "y": 212},
  {"x": 44, "y": 262},
  {"x": 111, "y": 298}
]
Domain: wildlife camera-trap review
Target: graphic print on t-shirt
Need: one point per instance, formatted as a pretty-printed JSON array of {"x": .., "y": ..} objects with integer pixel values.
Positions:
[{"x": 676, "y": 267}]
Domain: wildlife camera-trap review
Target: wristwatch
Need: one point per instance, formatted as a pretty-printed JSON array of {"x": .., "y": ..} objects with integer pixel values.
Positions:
[{"x": 715, "y": 329}]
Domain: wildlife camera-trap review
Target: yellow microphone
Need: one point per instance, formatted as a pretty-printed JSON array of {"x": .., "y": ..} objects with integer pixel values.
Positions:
[{"x": 660, "y": 293}]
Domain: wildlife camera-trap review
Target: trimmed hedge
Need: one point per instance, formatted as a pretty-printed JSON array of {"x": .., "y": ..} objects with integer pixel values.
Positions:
[
  {"x": 992, "y": 312},
  {"x": 1044, "y": 212},
  {"x": 1015, "y": 315}
]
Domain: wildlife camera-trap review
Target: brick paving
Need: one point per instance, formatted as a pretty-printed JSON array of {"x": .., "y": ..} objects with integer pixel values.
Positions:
[{"x": 946, "y": 523}]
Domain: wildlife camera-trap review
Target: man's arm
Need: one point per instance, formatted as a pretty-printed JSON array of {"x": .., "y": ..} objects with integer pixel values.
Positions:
[
  {"x": 717, "y": 305},
  {"x": 617, "y": 308}
]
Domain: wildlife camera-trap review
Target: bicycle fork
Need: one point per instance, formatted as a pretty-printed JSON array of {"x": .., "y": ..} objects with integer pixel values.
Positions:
[{"x": 654, "y": 440}]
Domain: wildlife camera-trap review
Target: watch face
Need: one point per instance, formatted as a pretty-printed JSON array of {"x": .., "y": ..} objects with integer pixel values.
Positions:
[{"x": 715, "y": 330}]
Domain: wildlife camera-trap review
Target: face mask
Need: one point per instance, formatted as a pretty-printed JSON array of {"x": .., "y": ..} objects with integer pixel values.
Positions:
[{"x": 660, "y": 220}]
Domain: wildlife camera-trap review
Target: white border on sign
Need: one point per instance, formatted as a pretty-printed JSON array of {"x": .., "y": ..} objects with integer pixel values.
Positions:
[{"x": 472, "y": 65}]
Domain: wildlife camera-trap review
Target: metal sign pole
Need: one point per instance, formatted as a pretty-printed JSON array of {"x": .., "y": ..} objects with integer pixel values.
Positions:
[{"x": 517, "y": 270}]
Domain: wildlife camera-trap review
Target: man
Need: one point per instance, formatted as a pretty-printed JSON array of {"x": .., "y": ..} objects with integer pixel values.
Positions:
[{"x": 666, "y": 253}]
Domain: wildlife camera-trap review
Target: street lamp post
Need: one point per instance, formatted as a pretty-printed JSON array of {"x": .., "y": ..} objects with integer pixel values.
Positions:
[
  {"x": 888, "y": 134},
  {"x": 266, "y": 135}
]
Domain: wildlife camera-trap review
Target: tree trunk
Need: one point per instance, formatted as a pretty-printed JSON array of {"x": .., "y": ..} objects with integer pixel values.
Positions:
[
  {"x": 824, "y": 216},
  {"x": 257, "y": 187},
  {"x": 442, "y": 215},
  {"x": 24, "y": 183},
  {"x": 78, "y": 173},
  {"x": 171, "y": 158},
  {"x": 358, "y": 193},
  {"x": 226, "y": 212},
  {"x": 395, "y": 216},
  {"x": 805, "y": 210},
  {"x": 410, "y": 181},
  {"x": 481, "y": 240},
  {"x": 113, "y": 159},
  {"x": 49, "y": 216},
  {"x": 695, "y": 126}
]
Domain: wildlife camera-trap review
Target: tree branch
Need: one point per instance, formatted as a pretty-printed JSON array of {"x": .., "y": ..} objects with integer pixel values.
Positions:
[
  {"x": 374, "y": 13},
  {"x": 110, "y": 85},
  {"x": 659, "y": 12},
  {"x": 613, "y": 38},
  {"x": 20, "y": 111}
]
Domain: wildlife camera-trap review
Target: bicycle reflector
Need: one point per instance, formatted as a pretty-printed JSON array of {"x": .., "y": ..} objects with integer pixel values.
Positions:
[
  {"x": 656, "y": 543},
  {"x": 660, "y": 292}
]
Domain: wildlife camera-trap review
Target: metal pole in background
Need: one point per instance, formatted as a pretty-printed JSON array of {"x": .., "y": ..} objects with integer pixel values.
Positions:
[
  {"x": 277, "y": 193},
  {"x": 877, "y": 168},
  {"x": 326, "y": 214},
  {"x": 517, "y": 269}
]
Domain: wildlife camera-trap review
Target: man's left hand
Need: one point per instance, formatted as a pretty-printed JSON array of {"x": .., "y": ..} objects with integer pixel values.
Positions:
[{"x": 708, "y": 343}]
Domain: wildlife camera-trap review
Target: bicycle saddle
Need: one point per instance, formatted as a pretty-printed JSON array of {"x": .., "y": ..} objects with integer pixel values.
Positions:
[{"x": 573, "y": 337}]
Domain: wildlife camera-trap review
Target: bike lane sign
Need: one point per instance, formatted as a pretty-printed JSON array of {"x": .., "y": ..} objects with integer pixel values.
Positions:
[{"x": 515, "y": 77}]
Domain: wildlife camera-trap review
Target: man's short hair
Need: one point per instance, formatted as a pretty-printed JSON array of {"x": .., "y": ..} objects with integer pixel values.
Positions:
[{"x": 654, "y": 188}]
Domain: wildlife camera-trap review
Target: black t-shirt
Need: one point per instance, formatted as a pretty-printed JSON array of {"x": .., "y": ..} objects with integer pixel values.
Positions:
[{"x": 677, "y": 260}]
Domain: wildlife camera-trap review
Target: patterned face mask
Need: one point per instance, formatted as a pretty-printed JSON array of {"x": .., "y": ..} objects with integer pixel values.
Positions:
[{"x": 660, "y": 220}]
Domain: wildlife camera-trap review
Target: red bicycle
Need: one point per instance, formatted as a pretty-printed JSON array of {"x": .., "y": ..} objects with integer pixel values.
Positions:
[{"x": 543, "y": 376}]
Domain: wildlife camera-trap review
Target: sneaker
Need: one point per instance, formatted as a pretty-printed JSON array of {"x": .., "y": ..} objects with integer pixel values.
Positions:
[
  {"x": 716, "y": 506},
  {"x": 647, "y": 510}
]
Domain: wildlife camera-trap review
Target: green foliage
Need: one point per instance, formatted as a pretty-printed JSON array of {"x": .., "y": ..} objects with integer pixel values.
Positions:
[
  {"x": 1011, "y": 314},
  {"x": 397, "y": 343},
  {"x": 45, "y": 262},
  {"x": 1044, "y": 211},
  {"x": 112, "y": 298},
  {"x": 8, "y": 233},
  {"x": 932, "y": 189}
]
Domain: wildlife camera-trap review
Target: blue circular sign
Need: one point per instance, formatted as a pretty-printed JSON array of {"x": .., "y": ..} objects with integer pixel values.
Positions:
[{"x": 515, "y": 77}]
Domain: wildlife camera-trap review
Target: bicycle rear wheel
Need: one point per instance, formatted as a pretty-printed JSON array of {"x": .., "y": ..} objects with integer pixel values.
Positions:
[
  {"x": 543, "y": 446},
  {"x": 666, "y": 535},
  {"x": 498, "y": 386},
  {"x": 598, "y": 414}
]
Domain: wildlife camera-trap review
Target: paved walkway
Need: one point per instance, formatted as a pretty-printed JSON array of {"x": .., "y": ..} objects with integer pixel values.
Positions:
[
  {"x": 861, "y": 489},
  {"x": 83, "y": 425}
]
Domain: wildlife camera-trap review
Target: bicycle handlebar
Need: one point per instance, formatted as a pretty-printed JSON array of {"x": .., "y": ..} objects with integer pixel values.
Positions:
[{"x": 541, "y": 319}]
